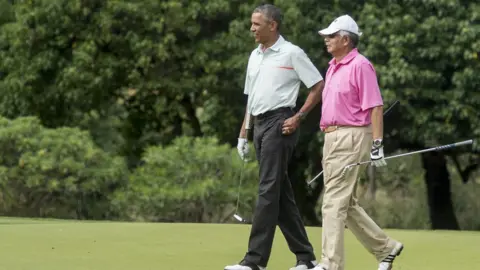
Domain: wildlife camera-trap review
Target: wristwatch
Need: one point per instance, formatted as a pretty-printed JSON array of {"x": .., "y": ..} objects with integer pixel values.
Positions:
[{"x": 377, "y": 143}]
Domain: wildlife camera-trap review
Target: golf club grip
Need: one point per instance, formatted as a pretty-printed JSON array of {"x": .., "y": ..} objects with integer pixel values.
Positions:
[
  {"x": 445, "y": 147},
  {"x": 452, "y": 145}
]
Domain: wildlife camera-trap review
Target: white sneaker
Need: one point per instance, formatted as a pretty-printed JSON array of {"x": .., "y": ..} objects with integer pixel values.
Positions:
[
  {"x": 387, "y": 263},
  {"x": 243, "y": 265},
  {"x": 303, "y": 265},
  {"x": 320, "y": 267}
]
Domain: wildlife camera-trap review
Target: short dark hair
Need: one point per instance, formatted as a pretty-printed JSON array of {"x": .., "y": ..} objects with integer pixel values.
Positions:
[{"x": 271, "y": 12}]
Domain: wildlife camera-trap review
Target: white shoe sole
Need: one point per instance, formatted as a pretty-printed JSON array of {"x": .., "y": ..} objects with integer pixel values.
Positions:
[{"x": 399, "y": 248}]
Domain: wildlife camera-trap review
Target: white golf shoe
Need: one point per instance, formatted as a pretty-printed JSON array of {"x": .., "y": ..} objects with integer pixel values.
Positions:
[
  {"x": 244, "y": 265},
  {"x": 320, "y": 267},
  {"x": 303, "y": 265},
  {"x": 387, "y": 263}
]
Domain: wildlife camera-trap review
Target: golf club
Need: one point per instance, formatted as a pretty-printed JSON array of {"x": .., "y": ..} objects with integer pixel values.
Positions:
[
  {"x": 385, "y": 113},
  {"x": 437, "y": 148},
  {"x": 236, "y": 215},
  {"x": 247, "y": 129}
]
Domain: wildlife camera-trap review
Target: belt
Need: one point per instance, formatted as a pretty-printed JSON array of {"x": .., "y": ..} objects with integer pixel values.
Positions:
[
  {"x": 274, "y": 112},
  {"x": 330, "y": 129}
]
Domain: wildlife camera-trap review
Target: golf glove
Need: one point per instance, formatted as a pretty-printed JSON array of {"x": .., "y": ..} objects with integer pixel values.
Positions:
[
  {"x": 376, "y": 154},
  {"x": 242, "y": 148}
]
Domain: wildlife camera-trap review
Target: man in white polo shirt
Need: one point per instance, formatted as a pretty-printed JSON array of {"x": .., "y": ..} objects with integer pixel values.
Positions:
[{"x": 275, "y": 70}]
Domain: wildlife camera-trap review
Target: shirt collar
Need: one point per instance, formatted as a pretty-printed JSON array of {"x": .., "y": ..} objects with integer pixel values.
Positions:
[
  {"x": 275, "y": 47},
  {"x": 349, "y": 57}
]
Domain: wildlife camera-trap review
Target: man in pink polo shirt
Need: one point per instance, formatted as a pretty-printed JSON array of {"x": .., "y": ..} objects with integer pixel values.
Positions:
[{"x": 352, "y": 119}]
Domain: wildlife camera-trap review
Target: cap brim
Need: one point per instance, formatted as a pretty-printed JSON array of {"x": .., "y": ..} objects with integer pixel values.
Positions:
[{"x": 328, "y": 31}]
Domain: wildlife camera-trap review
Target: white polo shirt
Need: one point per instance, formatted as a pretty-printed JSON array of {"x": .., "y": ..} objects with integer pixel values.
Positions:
[{"x": 274, "y": 75}]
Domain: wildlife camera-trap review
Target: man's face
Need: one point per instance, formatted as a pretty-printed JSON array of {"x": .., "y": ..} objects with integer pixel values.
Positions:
[
  {"x": 261, "y": 28},
  {"x": 335, "y": 42}
]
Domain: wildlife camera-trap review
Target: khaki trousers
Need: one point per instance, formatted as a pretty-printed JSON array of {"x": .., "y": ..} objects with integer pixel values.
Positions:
[{"x": 342, "y": 147}]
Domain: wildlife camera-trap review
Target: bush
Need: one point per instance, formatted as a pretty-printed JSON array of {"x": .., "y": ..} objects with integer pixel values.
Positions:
[
  {"x": 399, "y": 212},
  {"x": 191, "y": 180},
  {"x": 466, "y": 202},
  {"x": 411, "y": 211},
  {"x": 57, "y": 173},
  {"x": 401, "y": 199}
]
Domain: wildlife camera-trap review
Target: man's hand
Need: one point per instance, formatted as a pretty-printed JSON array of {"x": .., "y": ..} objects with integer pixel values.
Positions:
[
  {"x": 291, "y": 124},
  {"x": 376, "y": 154},
  {"x": 242, "y": 148}
]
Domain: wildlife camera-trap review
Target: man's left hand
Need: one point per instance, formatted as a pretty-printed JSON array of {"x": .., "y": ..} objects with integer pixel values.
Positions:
[
  {"x": 291, "y": 124},
  {"x": 376, "y": 154}
]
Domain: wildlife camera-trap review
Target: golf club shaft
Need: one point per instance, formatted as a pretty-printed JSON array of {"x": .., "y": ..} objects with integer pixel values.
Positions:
[
  {"x": 437, "y": 148},
  {"x": 385, "y": 113},
  {"x": 240, "y": 184},
  {"x": 247, "y": 129},
  {"x": 389, "y": 109}
]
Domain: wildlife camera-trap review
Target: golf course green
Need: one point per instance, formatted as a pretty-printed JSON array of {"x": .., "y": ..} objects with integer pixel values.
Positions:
[{"x": 36, "y": 244}]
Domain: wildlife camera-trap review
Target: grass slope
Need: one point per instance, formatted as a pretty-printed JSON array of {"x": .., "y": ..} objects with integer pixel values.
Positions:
[{"x": 59, "y": 245}]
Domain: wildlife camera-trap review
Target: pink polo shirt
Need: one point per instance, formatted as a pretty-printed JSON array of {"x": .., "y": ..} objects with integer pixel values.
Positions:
[{"x": 351, "y": 90}]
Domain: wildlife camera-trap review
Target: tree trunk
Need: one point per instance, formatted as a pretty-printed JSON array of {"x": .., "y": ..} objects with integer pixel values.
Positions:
[{"x": 437, "y": 180}]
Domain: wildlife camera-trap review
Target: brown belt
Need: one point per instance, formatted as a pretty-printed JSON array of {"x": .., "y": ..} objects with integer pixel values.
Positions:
[
  {"x": 330, "y": 129},
  {"x": 333, "y": 128}
]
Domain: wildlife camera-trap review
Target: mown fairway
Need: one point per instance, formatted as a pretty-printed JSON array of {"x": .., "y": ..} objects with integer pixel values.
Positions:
[{"x": 60, "y": 245}]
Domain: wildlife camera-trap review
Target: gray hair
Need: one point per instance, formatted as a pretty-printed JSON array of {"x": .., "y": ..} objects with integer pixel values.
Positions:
[
  {"x": 271, "y": 12},
  {"x": 353, "y": 37}
]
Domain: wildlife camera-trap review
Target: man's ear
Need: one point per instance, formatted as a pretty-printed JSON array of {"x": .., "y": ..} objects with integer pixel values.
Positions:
[
  {"x": 346, "y": 40},
  {"x": 273, "y": 26}
]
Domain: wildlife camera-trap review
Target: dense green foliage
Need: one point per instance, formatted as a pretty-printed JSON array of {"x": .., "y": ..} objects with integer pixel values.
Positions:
[
  {"x": 427, "y": 56},
  {"x": 132, "y": 108},
  {"x": 191, "y": 180},
  {"x": 55, "y": 172}
]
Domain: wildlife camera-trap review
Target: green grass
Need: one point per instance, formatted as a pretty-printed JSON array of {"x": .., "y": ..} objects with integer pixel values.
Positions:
[{"x": 51, "y": 244}]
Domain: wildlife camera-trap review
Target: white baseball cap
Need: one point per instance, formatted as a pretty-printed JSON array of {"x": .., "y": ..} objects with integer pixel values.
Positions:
[{"x": 343, "y": 22}]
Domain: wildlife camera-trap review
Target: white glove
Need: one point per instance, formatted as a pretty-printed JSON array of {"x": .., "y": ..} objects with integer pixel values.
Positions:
[
  {"x": 242, "y": 148},
  {"x": 376, "y": 154}
]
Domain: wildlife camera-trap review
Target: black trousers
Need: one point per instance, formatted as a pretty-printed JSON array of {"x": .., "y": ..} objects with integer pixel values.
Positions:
[{"x": 276, "y": 203}]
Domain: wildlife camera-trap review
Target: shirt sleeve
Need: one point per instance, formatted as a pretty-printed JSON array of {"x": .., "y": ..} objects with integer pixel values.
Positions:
[
  {"x": 368, "y": 89},
  {"x": 247, "y": 87},
  {"x": 305, "y": 69}
]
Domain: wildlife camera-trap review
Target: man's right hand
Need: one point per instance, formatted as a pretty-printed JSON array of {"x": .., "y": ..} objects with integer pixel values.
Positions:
[{"x": 242, "y": 148}]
